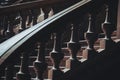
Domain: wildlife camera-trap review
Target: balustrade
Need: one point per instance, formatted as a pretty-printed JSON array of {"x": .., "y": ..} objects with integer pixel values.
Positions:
[
  {"x": 39, "y": 64},
  {"x": 9, "y": 70},
  {"x": 91, "y": 37},
  {"x": 38, "y": 34},
  {"x": 74, "y": 47},
  {"x": 107, "y": 28},
  {"x": 56, "y": 55},
  {"x": 23, "y": 73},
  {"x": 22, "y": 18}
]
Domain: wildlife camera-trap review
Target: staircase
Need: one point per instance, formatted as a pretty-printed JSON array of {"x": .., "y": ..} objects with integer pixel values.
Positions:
[{"x": 65, "y": 46}]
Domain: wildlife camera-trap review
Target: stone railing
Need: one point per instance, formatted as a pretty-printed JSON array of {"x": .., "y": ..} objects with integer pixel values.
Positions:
[{"x": 42, "y": 44}]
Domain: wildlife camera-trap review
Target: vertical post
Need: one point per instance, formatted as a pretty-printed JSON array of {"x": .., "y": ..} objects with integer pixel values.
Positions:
[
  {"x": 91, "y": 37},
  {"x": 107, "y": 28},
  {"x": 73, "y": 46},
  {"x": 56, "y": 55},
  {"x": 46, "y": 11},
  {"x": 23, "y": 73},
  {"x": 35, "y": 13},
  {"x": 23, "y": 15},
  {"x": 118, "y": 21},
  {"x": 39, "y": 64},
  {"x": 1, "y": 26},
  {"x": 5, "y": 25},
  {"x": 9, "y": 70},
  {"x": 8, "y": 30}
]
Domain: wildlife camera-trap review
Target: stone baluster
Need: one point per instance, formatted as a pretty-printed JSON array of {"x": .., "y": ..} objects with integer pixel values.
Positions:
[
  {"x": 1, "y": 26},
  {"x": 9, "y": 32},
  {"x": 46, "y": 11},
  {"x": 30, "y": 18},
  {"x": 5, "y": 25},
  {"x": 8, "y": 28},
  {"x": 39, "y": 64},
  {"x": 9, "y": 70},
  {"x": 107, "y": 28},
  {"x": 20, "y": 27},
  {"x": 56, "y": 55},
  {"x": 23, "y": 73},
  {"x": 23, "y": 15},
  {"x": 73, "y": 46},
  {"x": 91, "y": 37},
  {"x": 35, "y": 12}
]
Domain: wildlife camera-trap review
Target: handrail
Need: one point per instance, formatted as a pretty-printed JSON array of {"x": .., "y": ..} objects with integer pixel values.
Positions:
[
  {"x": 10, "y": 45},
  {"x": 25, "y": 5}
]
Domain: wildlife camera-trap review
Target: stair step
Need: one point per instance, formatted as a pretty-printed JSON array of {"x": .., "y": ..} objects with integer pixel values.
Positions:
[
  {"x": 44, "y": 79},
  {"x": 32, "y": 72},
  {"x": 36, "y": 79},
  {"x": 48, "y": 60},
  {"x": 82, "y": 60},
  {"x": 14, "y": 78},
  {"x": 96, "y": 47},
  {"x": 18, "y": 66},
  {"x": 65, "y": 70},
  {"x": 65, "y": 50}
]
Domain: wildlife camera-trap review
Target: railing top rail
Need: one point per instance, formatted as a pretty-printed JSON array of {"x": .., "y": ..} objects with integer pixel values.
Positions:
[
  {"x": 10, "y": 45},
  {"x": 26, "y": 5}
]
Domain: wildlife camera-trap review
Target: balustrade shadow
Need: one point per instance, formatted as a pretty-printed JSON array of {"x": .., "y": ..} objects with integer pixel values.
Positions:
[{"x": 104, "y": 66}]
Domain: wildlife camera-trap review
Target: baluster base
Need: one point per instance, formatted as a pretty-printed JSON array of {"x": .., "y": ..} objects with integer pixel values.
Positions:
[
  {"x": 106, "y": 44},
  {"x": 55, "y": 74},
  {"x": 89, "y": 54},
  {"x": 23, "y": 76},
  {"x": 72, "y": 63}
]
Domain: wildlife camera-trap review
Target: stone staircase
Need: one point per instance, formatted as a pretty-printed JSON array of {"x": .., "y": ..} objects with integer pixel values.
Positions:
[
  {"x": 63, "y": 65},
  {"x": 35, "y": 53}
]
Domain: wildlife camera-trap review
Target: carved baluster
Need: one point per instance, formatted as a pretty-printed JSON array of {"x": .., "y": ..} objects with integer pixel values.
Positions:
[
  {"x": 1, "y": 26},
  {"x": 23, "y": 15},
  {"x": 8, "y": 28},
  {"x": 91, "y": 37},
  {"x": 9, "y": 70},
  {"x": 35, "y": 12},
  {"x": 73, "y": 46},
  {"x": 23, "y": 73},
  {"x": 41, "y": 16},
  {"x": 51, "y": 13},
  {"x": 5, "y": 25},
  {"x": 11, "y": 24},
  {"x": 46, "y": 11},
  {"x": 107, "y": 28},
  {"x": 20, "y": 27},
  {"x": 39, "y": 64},
  {"x": 9, "y": 31},
  {"x": 56, "y": 55},
  {"x": 30, "y": 18}
]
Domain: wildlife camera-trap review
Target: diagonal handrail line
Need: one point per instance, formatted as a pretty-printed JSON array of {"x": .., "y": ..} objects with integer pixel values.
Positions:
[
  {"x": 10, "y": 45},
  {"x": 26, "y": 5}
]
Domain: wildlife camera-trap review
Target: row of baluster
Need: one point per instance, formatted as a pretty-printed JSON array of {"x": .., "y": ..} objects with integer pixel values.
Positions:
[
  {"x": 40, "y": 64},
  {"x": 13, "y": 24}
]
